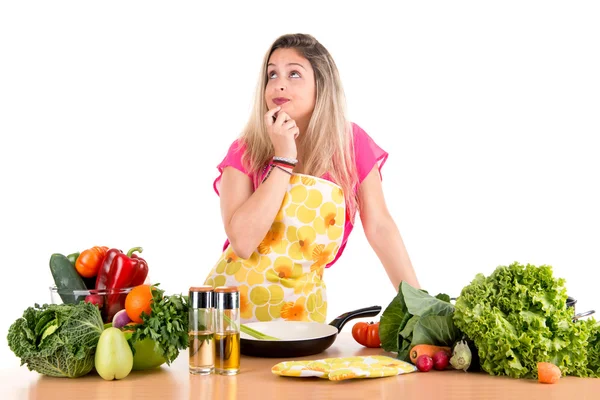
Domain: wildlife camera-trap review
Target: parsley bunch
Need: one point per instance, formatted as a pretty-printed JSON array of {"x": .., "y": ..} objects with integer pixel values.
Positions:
[{"x": 167, "y": 324}]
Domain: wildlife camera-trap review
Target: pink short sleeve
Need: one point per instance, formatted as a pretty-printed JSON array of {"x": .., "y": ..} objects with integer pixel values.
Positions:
[
  {"x": 367, "y": 153},
  {"x": 232, "y": 159}
]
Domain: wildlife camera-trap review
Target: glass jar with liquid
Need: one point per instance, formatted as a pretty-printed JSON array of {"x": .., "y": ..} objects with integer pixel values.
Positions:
[
  {"x": 201, "y": 346},
  {"x": 227, "y": 330}
]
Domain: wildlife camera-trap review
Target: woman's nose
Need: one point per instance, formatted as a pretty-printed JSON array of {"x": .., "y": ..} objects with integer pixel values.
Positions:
[{"x": 279, "y": 85}]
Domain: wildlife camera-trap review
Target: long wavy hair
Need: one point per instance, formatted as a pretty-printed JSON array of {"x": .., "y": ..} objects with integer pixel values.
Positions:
[{"x": 327, "y": 145}]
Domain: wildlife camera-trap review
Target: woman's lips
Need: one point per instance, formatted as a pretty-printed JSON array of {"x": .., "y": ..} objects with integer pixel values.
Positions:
[{"x": 280, "y": 100}]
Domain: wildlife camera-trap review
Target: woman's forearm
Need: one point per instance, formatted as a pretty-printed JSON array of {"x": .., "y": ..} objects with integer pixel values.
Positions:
[
  {"x": 387, "y": 243},
  {"x": 251, "y": 222}
]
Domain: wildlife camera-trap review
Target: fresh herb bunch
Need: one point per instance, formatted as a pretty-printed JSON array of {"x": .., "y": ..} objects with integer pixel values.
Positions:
[{"x": 167, "y": 324}]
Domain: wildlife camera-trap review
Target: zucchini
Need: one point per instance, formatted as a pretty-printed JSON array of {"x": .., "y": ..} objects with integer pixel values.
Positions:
[{"x": 66, "y": 279}]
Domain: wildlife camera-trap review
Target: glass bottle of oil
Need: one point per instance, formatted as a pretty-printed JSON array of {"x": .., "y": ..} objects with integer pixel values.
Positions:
[
  {"x": 227, "y": 330},
  {"x": 201, "y": 330}
]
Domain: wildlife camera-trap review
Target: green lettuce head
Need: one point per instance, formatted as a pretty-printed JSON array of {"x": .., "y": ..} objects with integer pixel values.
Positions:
[{"x": 518, "y": 317}]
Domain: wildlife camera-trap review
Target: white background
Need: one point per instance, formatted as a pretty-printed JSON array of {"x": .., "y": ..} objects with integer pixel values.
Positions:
[{"x": 113, "y": 116}]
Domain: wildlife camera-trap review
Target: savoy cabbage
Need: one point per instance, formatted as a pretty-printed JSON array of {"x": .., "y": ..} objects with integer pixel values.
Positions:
[{"x": 57, "y": 340}]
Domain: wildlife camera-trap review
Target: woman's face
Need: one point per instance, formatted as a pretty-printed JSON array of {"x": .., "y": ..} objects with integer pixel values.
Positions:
[{"x": 290, "y": 84}]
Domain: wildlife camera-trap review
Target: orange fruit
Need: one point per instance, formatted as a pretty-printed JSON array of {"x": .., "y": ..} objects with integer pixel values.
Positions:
[
  {"x": 138, "y": 300},
  {"x": 548, "y": 373}
]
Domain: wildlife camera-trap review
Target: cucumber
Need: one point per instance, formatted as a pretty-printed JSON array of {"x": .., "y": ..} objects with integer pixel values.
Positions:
[{"x": 66, "y": 279}]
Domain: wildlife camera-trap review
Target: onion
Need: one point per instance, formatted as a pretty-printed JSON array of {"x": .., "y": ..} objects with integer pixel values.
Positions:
[{"x": 120, "y": 319}]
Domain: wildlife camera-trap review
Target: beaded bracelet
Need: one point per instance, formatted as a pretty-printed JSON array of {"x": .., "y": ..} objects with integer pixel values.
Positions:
[
  {"x": 283, "y": 169},
  {"x": 272, "y": 166}
]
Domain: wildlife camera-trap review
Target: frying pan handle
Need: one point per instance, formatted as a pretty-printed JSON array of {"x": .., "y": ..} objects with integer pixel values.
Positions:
[
  {"x": 340, "y": 321},
  {"x": 583, "y": 314}
]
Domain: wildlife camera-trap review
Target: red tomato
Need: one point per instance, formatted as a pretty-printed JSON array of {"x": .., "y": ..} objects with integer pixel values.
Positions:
[
  {"x": 366, "y": 334},
  {"x": 88, "y": 263}
]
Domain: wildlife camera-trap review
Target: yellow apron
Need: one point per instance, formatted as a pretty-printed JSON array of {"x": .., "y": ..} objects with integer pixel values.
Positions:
[{"x": 283, "y": 278}]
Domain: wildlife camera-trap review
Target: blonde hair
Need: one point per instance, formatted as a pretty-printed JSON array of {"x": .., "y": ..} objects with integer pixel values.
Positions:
[{"x": 327, "y": 145}]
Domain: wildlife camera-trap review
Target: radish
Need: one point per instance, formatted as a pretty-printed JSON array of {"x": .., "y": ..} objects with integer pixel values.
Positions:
[
  {"x": 424, "y": 363},
  {"x": 120, "y": 319},
  {"x": 441, "y": 360},
  {"x": 95, "y": 299}
]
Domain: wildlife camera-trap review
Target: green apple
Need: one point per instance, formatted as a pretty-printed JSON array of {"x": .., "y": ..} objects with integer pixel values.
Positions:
[{"x": 114, "y": 359}]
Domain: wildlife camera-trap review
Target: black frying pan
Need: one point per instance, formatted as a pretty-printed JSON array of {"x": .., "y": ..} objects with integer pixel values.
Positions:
[{"x": 297, "y": 339}]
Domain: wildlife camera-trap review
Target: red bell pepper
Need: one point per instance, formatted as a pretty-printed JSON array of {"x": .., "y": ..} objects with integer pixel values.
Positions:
[
  {"x": 120, "y": 271},
  {"x": 102, "y": 278}
]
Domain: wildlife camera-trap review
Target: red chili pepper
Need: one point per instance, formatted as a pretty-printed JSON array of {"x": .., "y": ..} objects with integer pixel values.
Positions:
[{"x": 120, "y": 271}]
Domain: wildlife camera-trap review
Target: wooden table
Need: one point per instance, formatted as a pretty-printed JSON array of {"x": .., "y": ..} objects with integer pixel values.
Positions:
[{"x": 256, "y": 381}]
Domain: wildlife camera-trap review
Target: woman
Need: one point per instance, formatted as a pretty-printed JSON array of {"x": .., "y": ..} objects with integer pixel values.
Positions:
[{"x": 290, "y": 188}]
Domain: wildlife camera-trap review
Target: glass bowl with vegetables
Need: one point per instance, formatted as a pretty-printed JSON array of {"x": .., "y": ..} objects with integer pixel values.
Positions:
[
  {"x": 98, "y": 275},
  {"x": 109, "y": 301}
]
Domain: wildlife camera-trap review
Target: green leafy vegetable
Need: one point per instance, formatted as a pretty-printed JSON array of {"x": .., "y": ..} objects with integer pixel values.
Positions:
[
  {"x": 57, "y": 340},
  {"x": 420, "y": 303},
  {"x": 518, "y": 317},
  {"x": 167, "y": 324},
  {"x": 435, "y": 329},
  {"x": 415, "y": 317},
  {"x": 410, "y": 326},
  {"x": 443, "y": 297},
  {"x": 594, "y": 349},
  {"x": 392, "y": 321}
]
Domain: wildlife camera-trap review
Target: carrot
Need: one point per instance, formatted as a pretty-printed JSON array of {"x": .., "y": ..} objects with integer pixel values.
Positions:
[
  {"x": 548, "y": 373},
  {"x": 427, "y": 349}
]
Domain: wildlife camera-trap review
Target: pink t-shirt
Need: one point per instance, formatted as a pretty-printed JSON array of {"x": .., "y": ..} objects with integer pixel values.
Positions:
[{"x": 367, "y": 154}]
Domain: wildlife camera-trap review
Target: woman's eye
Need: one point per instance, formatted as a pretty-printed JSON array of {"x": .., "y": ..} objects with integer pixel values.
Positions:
[{"x": 293, "y": 74}]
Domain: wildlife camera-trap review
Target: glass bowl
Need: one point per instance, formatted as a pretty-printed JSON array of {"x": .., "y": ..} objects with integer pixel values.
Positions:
[{"x": 109, "y": 301}]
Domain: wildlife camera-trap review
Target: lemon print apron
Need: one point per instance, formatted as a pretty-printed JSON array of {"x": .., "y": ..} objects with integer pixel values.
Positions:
[{"x": 283, "y": 278}]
